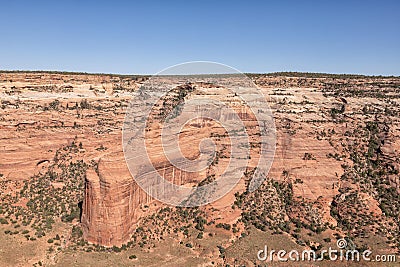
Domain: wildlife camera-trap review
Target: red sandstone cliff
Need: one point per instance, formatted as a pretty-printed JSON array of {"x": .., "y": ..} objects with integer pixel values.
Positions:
[
  {"x": 110, "y": 204},
  {"x": 112, "y": 201}
]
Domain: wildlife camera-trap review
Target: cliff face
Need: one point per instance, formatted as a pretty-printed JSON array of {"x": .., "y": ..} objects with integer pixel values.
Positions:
[{"x": 110, "y": 204}]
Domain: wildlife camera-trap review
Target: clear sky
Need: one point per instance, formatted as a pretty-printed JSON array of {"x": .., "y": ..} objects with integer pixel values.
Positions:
[{"x": 144, "y": 37}]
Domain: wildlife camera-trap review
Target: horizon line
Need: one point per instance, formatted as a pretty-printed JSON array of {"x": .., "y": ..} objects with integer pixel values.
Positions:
[{"x": 276, "y": 73}]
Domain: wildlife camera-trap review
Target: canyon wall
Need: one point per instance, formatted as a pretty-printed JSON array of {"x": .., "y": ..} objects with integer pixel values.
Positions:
[
  {"x": 113, "y": 200},
  {"x": 110, "y": 203}
]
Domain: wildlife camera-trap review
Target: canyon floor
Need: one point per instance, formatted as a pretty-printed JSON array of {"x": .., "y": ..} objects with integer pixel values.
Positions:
[{"x": 335, "y": 175}]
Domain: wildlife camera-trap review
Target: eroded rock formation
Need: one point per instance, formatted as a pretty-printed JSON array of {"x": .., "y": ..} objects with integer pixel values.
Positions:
[{"x": 110, "y": 202}]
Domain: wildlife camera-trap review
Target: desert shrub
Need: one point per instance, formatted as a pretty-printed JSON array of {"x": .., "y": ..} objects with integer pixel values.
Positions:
[
  {"x": 116, "y": 249},
  {"x": 200, "y": 221},
  {"x": 226, "y": 226}
]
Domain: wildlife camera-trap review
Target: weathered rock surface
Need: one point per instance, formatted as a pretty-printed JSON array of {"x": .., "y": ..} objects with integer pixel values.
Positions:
[
  {"x": 110, "y": 204},
  {"x": 33, "y": 126}
]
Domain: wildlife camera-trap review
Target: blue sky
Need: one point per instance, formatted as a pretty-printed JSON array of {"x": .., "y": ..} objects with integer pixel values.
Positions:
[{"x": 144, "y": 37}]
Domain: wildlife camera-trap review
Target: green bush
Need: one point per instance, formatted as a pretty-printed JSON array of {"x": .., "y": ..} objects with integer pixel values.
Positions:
[
  {"x": 116, "y": 249},
  {"x": 200, "y": 235}
]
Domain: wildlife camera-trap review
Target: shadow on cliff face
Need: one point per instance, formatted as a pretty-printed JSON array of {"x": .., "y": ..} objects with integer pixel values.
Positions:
[{"x": 80, "y": 205}]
